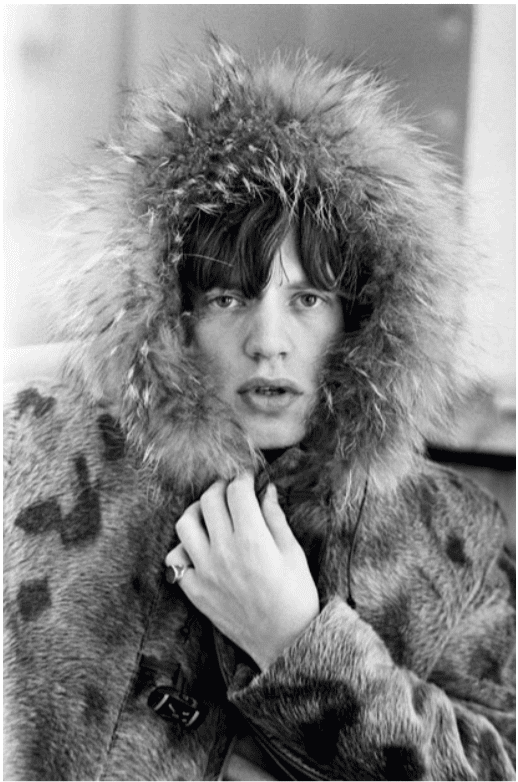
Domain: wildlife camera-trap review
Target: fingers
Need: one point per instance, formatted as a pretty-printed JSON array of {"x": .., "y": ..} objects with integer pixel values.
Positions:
[
  {"x": 251, "y": 519},
  {"x": 191, "y": 530},
  {"x": 275, "y": 518},
  {"x": 177, "y": 563},
  {"x": 214, "y": 509},
  {"x": 225, "y": 509},
  {"x": 243, "y": 505},
  {"x": 178, "y": 556}
]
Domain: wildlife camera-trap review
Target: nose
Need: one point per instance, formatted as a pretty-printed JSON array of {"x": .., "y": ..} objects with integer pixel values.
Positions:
[{"x": 267, "y": 336}]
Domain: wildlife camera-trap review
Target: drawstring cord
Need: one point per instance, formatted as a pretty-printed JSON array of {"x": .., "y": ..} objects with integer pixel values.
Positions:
[
  {"x": 261, "y": 485},
  {"x": 350, "y": 599}
]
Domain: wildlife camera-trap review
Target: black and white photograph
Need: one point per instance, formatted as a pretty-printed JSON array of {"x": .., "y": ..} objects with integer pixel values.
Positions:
[{"x": 259, "y": 391}]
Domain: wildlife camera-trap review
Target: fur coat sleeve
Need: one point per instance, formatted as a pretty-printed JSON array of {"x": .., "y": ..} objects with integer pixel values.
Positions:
[{"x": 337, "y": 706}]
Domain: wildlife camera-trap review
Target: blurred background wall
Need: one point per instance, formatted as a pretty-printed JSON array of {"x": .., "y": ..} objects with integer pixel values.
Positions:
[{"x": 66, "y": 67}]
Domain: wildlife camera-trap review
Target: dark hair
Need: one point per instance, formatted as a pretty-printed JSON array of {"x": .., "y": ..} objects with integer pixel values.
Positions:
[{"x": 235, "y": 250}]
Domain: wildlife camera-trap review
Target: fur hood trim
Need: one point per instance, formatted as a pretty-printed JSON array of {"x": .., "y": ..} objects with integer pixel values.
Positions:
[{"x": 215, "y": 132}]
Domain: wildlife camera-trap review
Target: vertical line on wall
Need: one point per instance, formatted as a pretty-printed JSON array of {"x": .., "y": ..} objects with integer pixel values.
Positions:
[{"x": 126, "y": 74}]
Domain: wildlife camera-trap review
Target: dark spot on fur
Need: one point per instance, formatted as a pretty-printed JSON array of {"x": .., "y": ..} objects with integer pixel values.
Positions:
[
  {"x": 402, "y": 763},
  {"x": 83, "y": 523},
  {"x": 419, "y": 697},
  {"x": 83, "y": 475},
  {"x": 485, "y": 664},
  {"x": 30, "y": 397},
  {"x": 392, "y": 627},
  {"x": 33, "y": 598},
  {"x": 346, "y": 705},
  {"x": 95, "y": 705},
  {"x": 334, "y": 704},
  {"x": 491, "y": 668},
  {"x": 40, "y": 517},
  {"x": 341, "y": 710},
  {"x": 113, "y": 437},
  {"x": 320, "y": 738},
  {"x": 455, "y": 550}
]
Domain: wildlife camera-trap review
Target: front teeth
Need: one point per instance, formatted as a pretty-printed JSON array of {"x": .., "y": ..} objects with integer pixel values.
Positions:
[{"x": 268, "y": 391}]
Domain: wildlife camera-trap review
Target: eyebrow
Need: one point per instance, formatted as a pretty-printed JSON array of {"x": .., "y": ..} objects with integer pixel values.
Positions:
[
  {"x": 300, "y": 284},
  {"x": 292, "y": 287}
]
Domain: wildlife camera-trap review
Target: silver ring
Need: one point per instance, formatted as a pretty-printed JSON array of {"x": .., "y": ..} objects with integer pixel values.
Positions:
[{"x": 177, "y": 574}]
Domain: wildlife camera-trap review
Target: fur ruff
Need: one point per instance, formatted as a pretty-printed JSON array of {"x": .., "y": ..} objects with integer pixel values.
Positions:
[{"x": 217, "y": 132}]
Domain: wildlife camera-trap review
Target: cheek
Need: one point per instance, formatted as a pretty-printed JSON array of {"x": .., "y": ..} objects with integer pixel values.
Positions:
[
  {"x": 332, "y": 330},
  {"x": 214, "y": 345},
  {"x": 207, "y": 338},
  {"x": 317, "y": 340}
]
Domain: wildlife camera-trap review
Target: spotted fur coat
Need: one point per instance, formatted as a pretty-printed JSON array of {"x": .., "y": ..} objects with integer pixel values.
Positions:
[{"x": 405, "y": 672}]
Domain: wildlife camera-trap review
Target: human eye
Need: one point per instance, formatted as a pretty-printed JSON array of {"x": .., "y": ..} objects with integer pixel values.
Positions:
[
  {"x": 223, "y": 300},
  {"x": 308, "y": 300}
]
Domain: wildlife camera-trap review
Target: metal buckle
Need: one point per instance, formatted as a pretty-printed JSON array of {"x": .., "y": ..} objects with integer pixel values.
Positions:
[{"x": 167, "y": 703}]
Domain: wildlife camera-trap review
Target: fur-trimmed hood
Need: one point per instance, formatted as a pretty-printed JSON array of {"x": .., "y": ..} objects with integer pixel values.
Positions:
[{"x": 216, "y": 132}]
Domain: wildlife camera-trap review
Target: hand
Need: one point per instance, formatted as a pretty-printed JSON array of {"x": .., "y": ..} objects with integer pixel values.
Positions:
[{"x": 248, "y": 574}]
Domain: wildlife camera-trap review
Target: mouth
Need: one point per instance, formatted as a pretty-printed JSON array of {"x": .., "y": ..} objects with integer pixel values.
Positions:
[
  {"x": 270, "y": 397},
  {"x": 264, "y": 387}
]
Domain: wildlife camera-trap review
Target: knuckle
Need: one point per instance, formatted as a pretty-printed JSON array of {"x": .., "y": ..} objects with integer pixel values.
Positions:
[
  {"x": 213, "y": 492},
  {"x": 238, "y": 484},
  {"x": 186, "y": 519},
  {"x": 219, "y": 548}
]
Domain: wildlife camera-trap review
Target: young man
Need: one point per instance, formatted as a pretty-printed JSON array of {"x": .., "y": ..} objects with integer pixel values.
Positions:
[{"x": 266, "y": 301}]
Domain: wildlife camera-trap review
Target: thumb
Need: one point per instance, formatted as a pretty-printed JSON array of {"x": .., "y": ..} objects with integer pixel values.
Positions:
[{"x": 275, "y": 518}]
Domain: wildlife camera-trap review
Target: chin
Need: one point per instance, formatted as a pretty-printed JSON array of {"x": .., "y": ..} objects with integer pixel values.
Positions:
[{"x": 265, "y": 440}]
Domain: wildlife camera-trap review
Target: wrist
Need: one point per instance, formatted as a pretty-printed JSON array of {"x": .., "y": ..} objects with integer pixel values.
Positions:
[{"x": 270, "y": 652}]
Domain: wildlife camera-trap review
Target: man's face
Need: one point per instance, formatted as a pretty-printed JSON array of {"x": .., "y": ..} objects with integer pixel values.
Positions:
[{"x": 267, "y": 351}]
